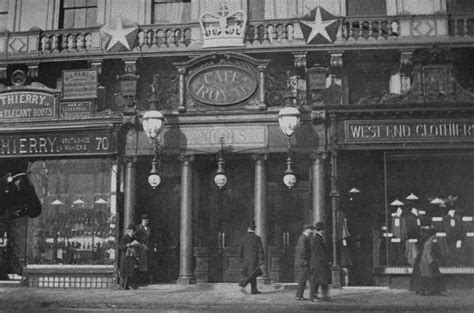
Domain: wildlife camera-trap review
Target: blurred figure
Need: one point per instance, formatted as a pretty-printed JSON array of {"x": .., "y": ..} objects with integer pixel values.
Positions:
[
  {"x": 303, "y": 254},
  {"x": 251, "y": 254},
  {"x": 128, "y": 259},
  {"x": 319, "y": 265}
]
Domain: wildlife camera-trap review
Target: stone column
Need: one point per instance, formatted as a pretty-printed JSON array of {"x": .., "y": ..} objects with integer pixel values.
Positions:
[
  {"x": 260, "y": 208},
  {"x": 318, "y": 188},
  {"x": 186, "y": 250},
  {"x": 130, "y": 191}
]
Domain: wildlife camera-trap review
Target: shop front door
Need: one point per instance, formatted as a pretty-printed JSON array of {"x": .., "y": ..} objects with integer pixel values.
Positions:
[{"x": 288, "y": 211}]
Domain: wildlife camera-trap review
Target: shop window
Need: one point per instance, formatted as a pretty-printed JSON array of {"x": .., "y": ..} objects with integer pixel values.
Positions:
[
  {"x": 78, "y": 14},
  {"x": 442, "y": 184},
  {"x": 3, "y": 14},
  {"x": 78, "y": 221},
  {"x": 366, "y": 8},
  {"x": 171, "y": 11}
]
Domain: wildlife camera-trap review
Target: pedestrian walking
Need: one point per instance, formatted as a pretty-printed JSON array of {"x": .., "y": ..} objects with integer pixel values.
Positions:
[
  {"x": 319, "y": 265},
  {"x": 252, "y": 256},
  {"x": 128, "y": 259},
  {"x": 429, "y": 266},
  {"x": 142, "y": 235},
  {"x": 302, "y": 260}
]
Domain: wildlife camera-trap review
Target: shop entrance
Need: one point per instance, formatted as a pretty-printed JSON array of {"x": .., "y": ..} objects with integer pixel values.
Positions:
[{"x": 223, "y": 215}]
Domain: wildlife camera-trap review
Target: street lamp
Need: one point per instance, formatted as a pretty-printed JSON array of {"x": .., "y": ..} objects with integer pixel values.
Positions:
[
  {"x": 289, "y": 120},
  {"x": 221, "y": 178},
  {"x": 153, "y": 122}
]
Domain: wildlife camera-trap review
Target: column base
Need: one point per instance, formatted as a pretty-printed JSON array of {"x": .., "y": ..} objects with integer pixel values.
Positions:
[
  {"x": 186, "y": 280},
  {"x": 336, "y": 277}
]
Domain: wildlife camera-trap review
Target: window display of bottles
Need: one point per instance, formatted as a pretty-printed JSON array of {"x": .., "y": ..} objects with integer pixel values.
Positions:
[{"x": 78, "y": 222}]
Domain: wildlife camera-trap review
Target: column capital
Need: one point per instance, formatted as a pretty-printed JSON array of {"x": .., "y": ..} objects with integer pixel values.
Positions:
[
  {"x": 186, "y": 158},
  {"x": 260, "y": 156},
  {"x": 33, "y": 70},
  {"x": 319, "y": 156},
  {"x": 96, "y": 65},
  {"x": 300, "y": 60},
  {"x": 130, "y": 66},
  {"x": 130, "y": 159}
]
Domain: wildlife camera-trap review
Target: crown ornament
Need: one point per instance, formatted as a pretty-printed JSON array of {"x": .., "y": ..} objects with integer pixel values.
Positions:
[{"x": 223, "y": 28}]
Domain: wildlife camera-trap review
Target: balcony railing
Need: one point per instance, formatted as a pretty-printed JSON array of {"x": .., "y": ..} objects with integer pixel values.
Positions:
[
  {"x": 258, "y": 34},
  {"x": 461, "y": 26},
  {"x": 370, "y": 28}
]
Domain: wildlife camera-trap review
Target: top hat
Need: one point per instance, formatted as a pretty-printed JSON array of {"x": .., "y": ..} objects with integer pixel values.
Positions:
[
  {"x": 308, "y": 226},
  {"x": 319, "y": 225}
]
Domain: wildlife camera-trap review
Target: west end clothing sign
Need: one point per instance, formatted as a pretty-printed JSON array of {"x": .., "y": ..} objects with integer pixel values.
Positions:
[{"x": 408, "y": 131}]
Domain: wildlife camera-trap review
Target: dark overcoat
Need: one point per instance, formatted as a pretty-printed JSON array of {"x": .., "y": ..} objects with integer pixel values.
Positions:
[
  {"x": 251, "y": 253},
  {"x": 143, "y": 237},
  {"x": 430, "y": 259},
  {"x": 303, "y": 255},
  {"x": 319, "y": 262},
  {"x": 128, "y": 258}
]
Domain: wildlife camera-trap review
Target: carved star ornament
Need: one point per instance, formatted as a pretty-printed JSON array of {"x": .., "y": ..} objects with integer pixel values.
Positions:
[
  {"x": 319, "y": 26},
  {"x": 119, "y": 36}
]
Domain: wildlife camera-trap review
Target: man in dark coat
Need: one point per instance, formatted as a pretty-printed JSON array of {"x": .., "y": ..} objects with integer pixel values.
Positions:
[
  {"x": 142, "y": 234},
  {"x": 319, "y": 265},
  {"x": 128, "y": 259},
  {"x": 251, "y": 254},
  {"x": 303, "y": 254}
]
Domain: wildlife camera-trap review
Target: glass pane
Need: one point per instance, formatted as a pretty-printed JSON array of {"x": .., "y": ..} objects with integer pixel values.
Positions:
[
  {"x": 68, "y": 4},
  {"x": 80, "y": 3},
  {"x": 91, "y": 17},
  {"x": 91, "y": 3},
  {"x": 3, "y": 20},
  {"x": 366, "y": 7},
  {"x": 68, "y": 19},
  {"x": 3, "y": 5},
  {"x": 79, "y": 18},
  {"x": 442, "y": 186},
  {"x": 159, "y": 12},
  {"x": 77, "y": 224}
]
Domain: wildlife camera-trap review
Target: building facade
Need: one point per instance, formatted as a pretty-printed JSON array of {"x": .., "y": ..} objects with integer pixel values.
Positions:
[{"x": 384, "y": 91}]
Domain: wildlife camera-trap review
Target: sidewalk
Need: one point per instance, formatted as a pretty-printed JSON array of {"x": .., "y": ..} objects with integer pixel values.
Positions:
[{"x": 227, "y": 297}]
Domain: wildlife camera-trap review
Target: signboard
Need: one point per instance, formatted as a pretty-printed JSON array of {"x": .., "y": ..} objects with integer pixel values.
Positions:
[
  {"x": 19, "y": 106},
  {"x": 408, "y": 131},
  {"x": 235, "y": 136},
  {"x": 80, "y": 84},
  {"x": 222, "y": 85},
  {"x": 91, "y": 142},
  {"x": 76, "y": 109}
]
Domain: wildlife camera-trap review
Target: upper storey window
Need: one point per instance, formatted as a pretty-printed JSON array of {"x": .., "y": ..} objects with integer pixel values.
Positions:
[
  {"x": 366, "y": 8},
  {"x": 78, "y": 14},
  {"x": 460, "y": 6},
  {"x": 3, "y": 14},
  {"x": 171, "y": 11}
]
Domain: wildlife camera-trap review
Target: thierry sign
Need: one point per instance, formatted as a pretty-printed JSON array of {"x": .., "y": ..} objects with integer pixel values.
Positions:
[{"x": 26, "y": 105}]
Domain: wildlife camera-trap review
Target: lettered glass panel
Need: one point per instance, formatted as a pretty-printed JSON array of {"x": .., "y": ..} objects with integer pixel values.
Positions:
[{"x": 78, "y": 221}]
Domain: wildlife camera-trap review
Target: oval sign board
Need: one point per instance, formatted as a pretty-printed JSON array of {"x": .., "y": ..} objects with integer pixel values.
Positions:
[{"x": 222, "y": 85}]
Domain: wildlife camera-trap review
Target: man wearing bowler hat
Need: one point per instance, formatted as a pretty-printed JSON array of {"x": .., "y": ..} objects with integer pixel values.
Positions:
[
  {"x": 319, "y": 265},
  {"x": 303, "y": 254},
  {"x": 142, "y": 234},
  {"x": 251, "y": 254}
]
